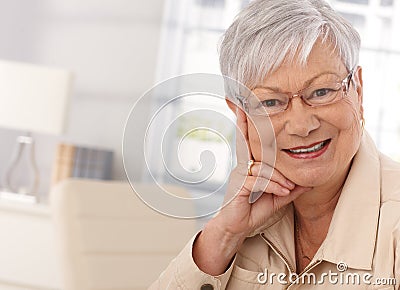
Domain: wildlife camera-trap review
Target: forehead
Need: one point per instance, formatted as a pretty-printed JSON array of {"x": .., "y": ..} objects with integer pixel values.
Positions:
[{"x": 293, "y": 73}]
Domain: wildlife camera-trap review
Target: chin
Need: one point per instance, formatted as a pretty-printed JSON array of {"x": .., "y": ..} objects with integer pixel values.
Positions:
[{"x": 314, "y": 177}]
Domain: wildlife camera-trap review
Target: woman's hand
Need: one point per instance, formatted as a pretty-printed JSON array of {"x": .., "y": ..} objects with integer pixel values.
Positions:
[
  {"x": 240, "y": 216},
  {"x": 224, "y": 234}
]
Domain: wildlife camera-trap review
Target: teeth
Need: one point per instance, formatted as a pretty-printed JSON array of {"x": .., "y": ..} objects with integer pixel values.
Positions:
[{"x": 308, "y": 150}]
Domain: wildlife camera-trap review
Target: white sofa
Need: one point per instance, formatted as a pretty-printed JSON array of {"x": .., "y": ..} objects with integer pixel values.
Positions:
[{"x": 109, "y": 239}]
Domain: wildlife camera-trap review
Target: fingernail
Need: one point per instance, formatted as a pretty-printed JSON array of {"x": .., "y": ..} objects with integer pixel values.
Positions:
[
  {"x": 291, "y": 184},
  {"x": 285, "y": 190},
  {"x": 254, "y": 196}
]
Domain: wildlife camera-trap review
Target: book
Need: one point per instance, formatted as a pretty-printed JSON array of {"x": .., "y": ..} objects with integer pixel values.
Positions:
[
  {"x": 72, "y": 161},
  {"x": 63, "y": 162}
]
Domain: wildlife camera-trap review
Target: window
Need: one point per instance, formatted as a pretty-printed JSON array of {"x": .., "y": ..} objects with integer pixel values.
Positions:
[
  {"x": 191, "y": 35},
  {"x": 380, "y": 59},
  {"x": 192, "y": 32},
  {"x": 387, "y": 2}
]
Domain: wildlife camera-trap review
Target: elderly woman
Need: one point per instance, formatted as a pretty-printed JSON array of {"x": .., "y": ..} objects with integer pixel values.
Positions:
[{"x": 327, "y": 212}]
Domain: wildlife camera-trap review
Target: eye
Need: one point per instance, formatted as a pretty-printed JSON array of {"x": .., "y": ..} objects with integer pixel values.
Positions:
[
  {"x": 321, "y": 92},
  {"x": 270, "y": 103}
]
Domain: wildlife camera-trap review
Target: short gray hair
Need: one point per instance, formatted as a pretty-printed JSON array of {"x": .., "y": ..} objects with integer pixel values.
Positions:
[{"x": 267, "y": 32}]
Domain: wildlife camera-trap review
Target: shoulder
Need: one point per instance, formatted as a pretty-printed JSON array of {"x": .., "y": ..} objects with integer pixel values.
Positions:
[
  {"x": 390, "y": 180},
  {"x": 390, "y": 196}
]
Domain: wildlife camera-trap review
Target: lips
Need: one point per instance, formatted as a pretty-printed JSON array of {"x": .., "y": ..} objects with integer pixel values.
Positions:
[{"x": 309, "y": 151}]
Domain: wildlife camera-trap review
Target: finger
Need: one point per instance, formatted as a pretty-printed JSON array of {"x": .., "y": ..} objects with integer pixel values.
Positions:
[
  {"x": 266, "y": 171},
  {"x": 283, "y": 196},
  {"x": 244, "y": 188},
  {"x": 251, "y": 187},
  {"x": 260, "y": 184},
  {"x": 274, "y": 189},
  {"x": 264, "y": 201},
  {"x": 243, "y": 153}
]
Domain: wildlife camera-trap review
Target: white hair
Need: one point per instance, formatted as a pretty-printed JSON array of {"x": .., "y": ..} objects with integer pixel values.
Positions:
[{"x": 268, "y": 32}]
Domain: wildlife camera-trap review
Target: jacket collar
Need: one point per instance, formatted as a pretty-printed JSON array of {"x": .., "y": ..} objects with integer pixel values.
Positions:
[{"x": 352, "y": 233}]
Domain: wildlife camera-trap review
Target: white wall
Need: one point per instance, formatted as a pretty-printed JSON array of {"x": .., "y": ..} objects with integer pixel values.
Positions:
[{"x": 110, "y": 45}]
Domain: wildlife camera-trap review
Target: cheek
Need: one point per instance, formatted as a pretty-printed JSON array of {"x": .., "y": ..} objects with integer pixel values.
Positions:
[
  {"x": 262, "y": 140},
  {"x": 350, "y": 132},
  {"x": 346, "y": 118},
  {"x": 254, "y": 142}
]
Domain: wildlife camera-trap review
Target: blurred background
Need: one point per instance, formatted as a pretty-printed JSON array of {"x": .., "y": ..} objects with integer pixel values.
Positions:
[{"x": 117, "y": 50}]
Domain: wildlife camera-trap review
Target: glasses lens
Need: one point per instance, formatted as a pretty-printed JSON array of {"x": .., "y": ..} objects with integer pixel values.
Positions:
[
  {"x": 265, "y": 102},
  {"x": 322, "y": 94}
]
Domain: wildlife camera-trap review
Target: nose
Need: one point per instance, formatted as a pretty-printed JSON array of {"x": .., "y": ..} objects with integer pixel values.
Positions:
[{"x": 300, "y": 119}]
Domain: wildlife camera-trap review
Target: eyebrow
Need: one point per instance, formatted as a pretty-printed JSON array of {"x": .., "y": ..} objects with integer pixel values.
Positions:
[{"x": 305, "y": 85}]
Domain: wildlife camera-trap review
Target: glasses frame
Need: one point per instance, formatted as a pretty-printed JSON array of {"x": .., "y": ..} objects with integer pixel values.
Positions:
[{"x": 345, "y": 86}]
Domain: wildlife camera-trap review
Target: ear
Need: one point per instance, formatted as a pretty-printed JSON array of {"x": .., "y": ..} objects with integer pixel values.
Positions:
[
  {"x": 358, "y": 82},
  {"x": 234, "y": 107}
]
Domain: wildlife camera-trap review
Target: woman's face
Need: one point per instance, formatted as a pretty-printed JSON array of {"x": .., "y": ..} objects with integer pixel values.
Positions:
[{"x": 336, "y": 126}]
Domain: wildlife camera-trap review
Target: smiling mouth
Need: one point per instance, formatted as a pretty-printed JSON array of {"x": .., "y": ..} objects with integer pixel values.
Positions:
[{"x": 315, "y": 147}]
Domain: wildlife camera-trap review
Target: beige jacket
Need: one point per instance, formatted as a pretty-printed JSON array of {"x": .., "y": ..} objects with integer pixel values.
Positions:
[{"x": 361, "y": 250}]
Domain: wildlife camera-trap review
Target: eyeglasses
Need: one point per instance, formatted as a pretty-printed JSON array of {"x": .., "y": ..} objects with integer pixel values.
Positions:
[{"x": 265, "y": 102}]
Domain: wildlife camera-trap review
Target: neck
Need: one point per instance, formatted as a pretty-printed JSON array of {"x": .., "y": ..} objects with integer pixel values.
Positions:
[
  {"x": 313, "y": 213},
  {"x": 316, "y": 205},
  {"x": 314, "y": 209},
  {"x": 312, "y": 220}
]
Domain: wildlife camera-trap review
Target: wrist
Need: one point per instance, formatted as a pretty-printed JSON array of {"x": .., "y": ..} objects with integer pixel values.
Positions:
[
  {"x": 229, "y": 241},
  {"x": 215, "y": 248}
]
